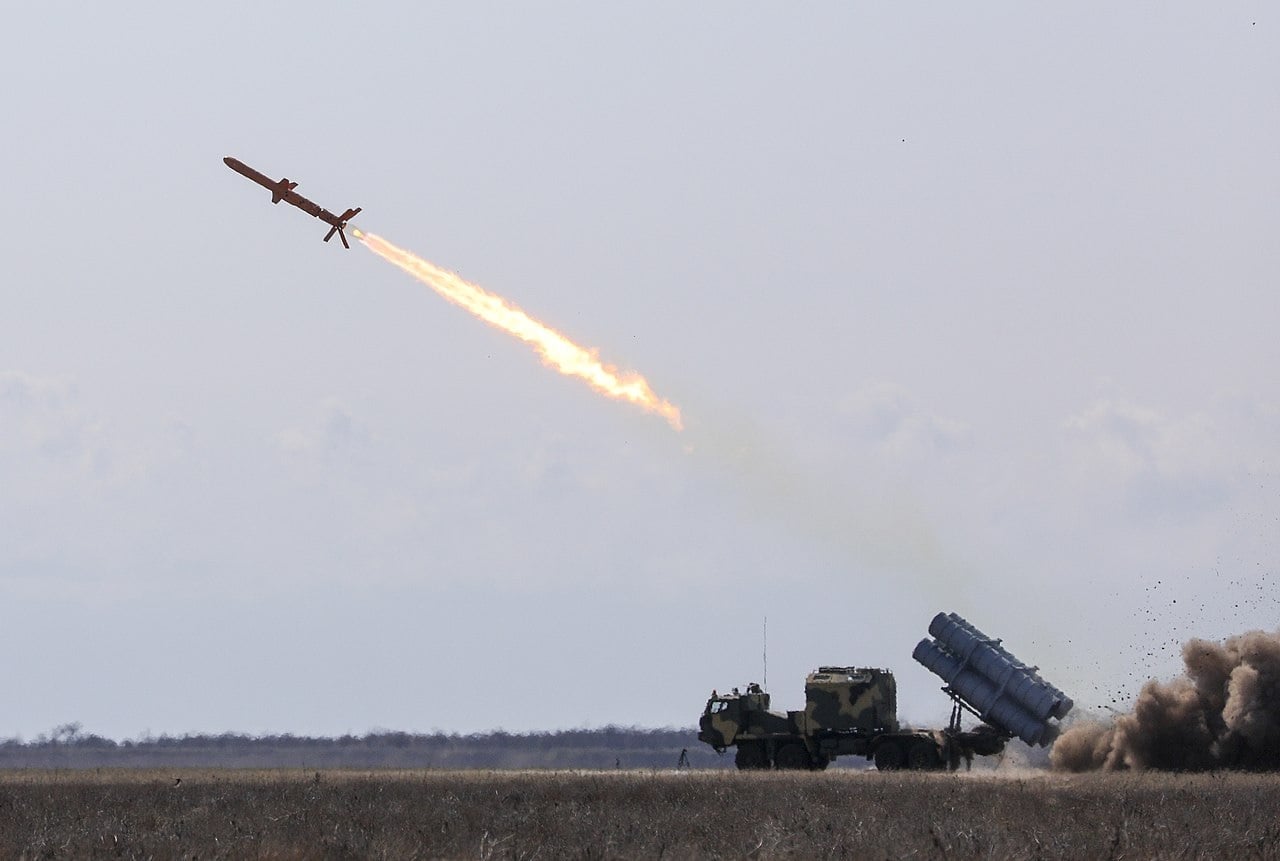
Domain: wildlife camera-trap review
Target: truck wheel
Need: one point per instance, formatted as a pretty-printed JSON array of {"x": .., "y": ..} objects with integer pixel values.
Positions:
[
  {"x": 923, "y": 756},
  {"x": 792, "y": 756},
  {"x": 750, "y": 756},
  {"x": 889, "y": 756}
]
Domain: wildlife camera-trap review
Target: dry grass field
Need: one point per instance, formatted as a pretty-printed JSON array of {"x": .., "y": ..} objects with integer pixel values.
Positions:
[{"x": 435, "y": 814}]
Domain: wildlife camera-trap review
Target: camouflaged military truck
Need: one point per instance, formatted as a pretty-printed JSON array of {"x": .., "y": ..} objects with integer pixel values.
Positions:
[{"x": 848, "y": 711}]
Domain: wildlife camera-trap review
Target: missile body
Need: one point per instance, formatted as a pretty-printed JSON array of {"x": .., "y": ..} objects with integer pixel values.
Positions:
[{"x": 283, "y": 189}]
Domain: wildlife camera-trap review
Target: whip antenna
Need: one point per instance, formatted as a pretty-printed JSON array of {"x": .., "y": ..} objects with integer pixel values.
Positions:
[{"x": 765, "y": 681}]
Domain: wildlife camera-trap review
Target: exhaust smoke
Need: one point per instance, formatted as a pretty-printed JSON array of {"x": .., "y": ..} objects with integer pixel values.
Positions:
[
  {"x": 1223, "y": 713},
  {"x": 556, "y": 350}
]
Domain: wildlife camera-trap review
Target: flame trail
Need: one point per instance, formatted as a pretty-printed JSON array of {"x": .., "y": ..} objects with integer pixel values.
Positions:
[{"x": 556, "y": 350}]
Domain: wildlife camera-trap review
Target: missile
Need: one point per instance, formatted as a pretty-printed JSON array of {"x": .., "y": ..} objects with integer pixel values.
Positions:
[{"x": 283, "y": 189}]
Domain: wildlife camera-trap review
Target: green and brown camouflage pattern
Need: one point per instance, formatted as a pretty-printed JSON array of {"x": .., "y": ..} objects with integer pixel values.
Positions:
[
  {"x": 841, "y": 701},
  {"x": 728, "y": 718},
  {"x": 721, "y": 721},
  {"x": 850, "y": 699},
  {"x": 849, "y": 711}
]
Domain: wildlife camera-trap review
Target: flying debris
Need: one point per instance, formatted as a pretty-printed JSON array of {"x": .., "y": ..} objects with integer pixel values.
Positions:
[{"x": 284, "y": 190}]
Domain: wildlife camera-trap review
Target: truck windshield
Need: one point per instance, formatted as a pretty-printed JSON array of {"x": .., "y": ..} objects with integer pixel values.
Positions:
[{"x": 716, "y": 706}]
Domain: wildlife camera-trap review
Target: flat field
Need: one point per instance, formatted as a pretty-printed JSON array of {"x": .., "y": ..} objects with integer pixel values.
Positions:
[{"x": 620, "y": 814}]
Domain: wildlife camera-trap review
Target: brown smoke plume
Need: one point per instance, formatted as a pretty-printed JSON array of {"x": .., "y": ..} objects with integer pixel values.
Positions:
[{"x": 1224, "y": 713}]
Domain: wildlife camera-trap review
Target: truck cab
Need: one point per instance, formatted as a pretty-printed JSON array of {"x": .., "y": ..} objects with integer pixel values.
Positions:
[{"x": 728, "y": 716}]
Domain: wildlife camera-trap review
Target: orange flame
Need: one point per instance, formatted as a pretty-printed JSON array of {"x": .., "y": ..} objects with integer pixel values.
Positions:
[{"x": 556, "y": 350}]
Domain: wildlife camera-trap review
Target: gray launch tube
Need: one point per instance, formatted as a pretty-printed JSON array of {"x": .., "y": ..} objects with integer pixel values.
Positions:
[
  {"x": 1065, "y": 702},
  {"x": 991, "y": 660},
  {"x": 993, "y": 703}
]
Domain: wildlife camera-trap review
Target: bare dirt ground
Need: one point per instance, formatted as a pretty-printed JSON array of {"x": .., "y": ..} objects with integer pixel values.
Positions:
[{"x": 632, "y": 814}]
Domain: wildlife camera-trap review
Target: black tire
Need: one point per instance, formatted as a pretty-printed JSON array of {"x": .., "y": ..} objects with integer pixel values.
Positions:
[
  {"x": 821, "y": 762},
  {"x": 792, "y": 757},
  {"x": 750, "y": 756},
  {"x": 890, "y": 756},
  {"x": 923, "y": 756}
]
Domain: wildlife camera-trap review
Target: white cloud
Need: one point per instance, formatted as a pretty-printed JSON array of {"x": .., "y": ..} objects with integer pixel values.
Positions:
[
  {"x": 50, "y": 446},
  {"x": 1153, "y": 463},
  {"x": 891, "y": 418},
  {"x": 41, "y": 416},
  {"x": 336, "y": 432}
]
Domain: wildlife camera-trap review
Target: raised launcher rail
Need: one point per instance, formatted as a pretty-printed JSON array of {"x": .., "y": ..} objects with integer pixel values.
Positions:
[{"x": 985, "y": 678}]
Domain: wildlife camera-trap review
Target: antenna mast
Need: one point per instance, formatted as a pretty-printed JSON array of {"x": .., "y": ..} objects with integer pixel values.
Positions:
[{"x": 765, "y": 681}]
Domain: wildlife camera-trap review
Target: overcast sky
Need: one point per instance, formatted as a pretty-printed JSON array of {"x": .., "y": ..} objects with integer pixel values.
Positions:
[{"x": 966, "y": 308}]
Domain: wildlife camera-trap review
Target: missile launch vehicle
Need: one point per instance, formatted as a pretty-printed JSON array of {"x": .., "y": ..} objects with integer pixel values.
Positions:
[{"x": 852, "y": 711}]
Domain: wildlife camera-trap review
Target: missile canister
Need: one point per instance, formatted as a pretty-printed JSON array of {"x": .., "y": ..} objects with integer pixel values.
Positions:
[
  {"x": 991, "y": 660},
  {"x": 988, "y": 698},
  {"x": 1065, "y": 702}
]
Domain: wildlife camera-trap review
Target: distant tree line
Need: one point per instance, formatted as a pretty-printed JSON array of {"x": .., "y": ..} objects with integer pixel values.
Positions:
[{"x": 68, "y": 746}]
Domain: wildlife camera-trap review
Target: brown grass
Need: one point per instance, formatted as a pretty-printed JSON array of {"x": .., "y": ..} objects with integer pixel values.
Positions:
[{"x": 432, "y": 814}]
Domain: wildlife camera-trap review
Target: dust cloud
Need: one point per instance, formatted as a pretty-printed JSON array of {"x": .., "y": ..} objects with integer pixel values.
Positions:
[{"x": 1223, "y": 713}]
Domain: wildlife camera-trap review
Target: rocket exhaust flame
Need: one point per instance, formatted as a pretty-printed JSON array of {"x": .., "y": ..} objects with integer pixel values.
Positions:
[{"x": 556, "y": 350}]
